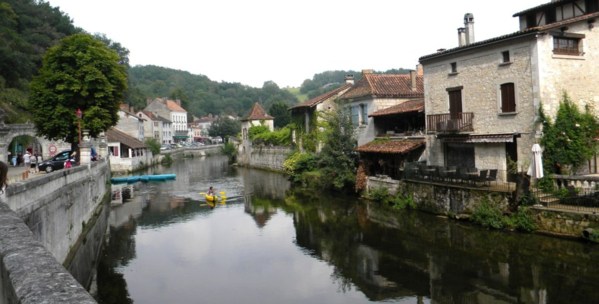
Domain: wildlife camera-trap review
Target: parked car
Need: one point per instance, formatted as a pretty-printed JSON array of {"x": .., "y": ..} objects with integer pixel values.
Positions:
[{"x": 56, "y": 162}]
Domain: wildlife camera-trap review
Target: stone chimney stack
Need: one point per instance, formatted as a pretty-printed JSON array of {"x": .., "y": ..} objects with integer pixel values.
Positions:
[
  {"x": 419, "y": 70},
  {"x": 469, "y": 25},
  {"x": 349, "y": 79},
  {"x": 367, "y": 71},
  {"x": 461, "y": 36},
  {"x": 413, "y": 79},
  {"x": 178, "y": 101}
]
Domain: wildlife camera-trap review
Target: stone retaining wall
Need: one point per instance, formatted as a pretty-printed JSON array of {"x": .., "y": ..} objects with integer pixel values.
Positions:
[
  {"x": 269, "y": 158},
  {"x": 43, "y": 220}
]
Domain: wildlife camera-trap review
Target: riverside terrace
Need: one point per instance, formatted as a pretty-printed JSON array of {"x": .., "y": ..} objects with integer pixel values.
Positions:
[{"x": 459, "y": 176}]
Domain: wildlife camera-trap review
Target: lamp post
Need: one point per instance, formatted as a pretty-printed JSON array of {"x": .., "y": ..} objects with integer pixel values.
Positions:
[{"x": 79, "y": 114}]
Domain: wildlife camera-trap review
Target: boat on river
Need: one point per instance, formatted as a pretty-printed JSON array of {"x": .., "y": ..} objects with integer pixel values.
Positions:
[
  {"x": 142, "y": 178},
  {"x": 213, "y": 197}
]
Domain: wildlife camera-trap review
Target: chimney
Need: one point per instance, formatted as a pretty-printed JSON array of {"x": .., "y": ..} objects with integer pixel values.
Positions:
[
  {"x": 148, "y": 101},
  {"x": 461, "y": 36},
  {"x": 419, "y": 70},
  {"x": 349, "y": 79},
  {"x": 469, "y": 25},
  {"x": 413, "y": 79},
  {"x": 367, "y": 71},
  {"x": 178, "y": 101}
]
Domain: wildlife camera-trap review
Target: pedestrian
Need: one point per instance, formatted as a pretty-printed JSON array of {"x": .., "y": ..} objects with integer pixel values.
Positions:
[
  {"x": 27, "y": 159},
  {"x": 14, "y": 160},
  {"x": 3, "y": 176},
  {"x": 33, "y": 164},
  {"x": 39, "y": 161}
]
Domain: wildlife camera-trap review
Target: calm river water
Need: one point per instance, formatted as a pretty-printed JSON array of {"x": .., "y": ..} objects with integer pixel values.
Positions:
[{"x": 269, "y": 244}]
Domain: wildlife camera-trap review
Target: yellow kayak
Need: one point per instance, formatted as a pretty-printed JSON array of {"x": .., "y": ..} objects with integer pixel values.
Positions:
[{"x": 213, "y": 197}]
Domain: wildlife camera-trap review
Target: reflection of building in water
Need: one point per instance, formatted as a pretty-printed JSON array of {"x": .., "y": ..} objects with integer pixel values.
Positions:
[
  {"x": 261, "y": 213},
  {"x": 121, "y": 193},
  {"x": 264, "y": 184},
  {"x": 125, "y": 205}
]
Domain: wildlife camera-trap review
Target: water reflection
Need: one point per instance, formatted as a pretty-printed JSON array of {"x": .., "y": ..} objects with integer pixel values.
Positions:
[{"x": 273, "y": 245}]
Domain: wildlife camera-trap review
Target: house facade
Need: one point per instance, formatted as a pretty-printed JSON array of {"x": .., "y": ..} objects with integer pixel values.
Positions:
[
  {"x": 256, "y": 117},
  {"x": 482, "y": 99},
  {"x": 173, "y": 111},
  {"x": 127, "y": 153},
  {"x": 130, "y": 123},
  {"x": 375, "y": 92}
]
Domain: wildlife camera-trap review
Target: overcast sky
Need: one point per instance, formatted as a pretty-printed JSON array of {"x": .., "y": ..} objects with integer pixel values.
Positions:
[{"x": 287, "y": 41}]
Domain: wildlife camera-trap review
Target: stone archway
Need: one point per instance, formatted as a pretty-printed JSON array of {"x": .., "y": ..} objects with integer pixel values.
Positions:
[{"x": 9, "y": 132}]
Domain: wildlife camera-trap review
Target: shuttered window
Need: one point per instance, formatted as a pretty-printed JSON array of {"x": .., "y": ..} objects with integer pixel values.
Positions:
[{"x": 508, "y": 98}]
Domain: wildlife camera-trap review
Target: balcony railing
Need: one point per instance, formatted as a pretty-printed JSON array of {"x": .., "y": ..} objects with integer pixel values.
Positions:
[{"x": 449, "y": 123}]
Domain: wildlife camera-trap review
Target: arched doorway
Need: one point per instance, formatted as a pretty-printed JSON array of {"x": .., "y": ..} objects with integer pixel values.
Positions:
[{"x": 19, "y": 145}]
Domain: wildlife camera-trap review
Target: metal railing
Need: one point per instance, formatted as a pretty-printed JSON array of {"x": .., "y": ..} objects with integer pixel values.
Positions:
[
  {"x": 449, "y": 122},
  {"x": 572, "y": 193},
  {"x": 483, "y": 179}
]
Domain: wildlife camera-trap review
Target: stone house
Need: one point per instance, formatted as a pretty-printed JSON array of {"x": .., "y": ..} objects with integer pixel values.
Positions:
[
  {"x": 256, "y": 117},
  {"x": 305, "y": 114},
  {"x": 156, "y": 126},
  {"x": 375, "y": 92},
  {"x": 482, "y": 99},
  {"x": 127, "y": 153},
  {"x": 130, "y": 123},
  {"x": 173, "y": 111}
]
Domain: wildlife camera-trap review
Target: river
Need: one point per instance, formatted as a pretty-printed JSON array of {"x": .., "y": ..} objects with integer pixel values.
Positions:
[{"x": 271, "y": 244}]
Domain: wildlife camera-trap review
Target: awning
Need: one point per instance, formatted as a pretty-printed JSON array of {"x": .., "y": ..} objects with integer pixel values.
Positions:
[
  {"x": 483, "y": 138},
  {"x": 180, "y": 136},
  {"x": 390, "y": 146}
]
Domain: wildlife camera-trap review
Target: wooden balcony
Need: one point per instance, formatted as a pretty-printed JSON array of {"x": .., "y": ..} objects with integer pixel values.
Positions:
[{"x": 449, "y": 123}]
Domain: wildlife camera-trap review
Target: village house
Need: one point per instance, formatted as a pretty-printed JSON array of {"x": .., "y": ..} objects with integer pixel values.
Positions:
[
  {"x": 482, "y": 99},
  {"x": 256, "y": 117},
  {"x": 126, "y": 152},
  {"x": 375, "y": 92},
  {"x": 156, "y": 126},
  {"x": 306, "y": 114},
  {"x": 130, "y": 123},
  {"x": 172, "y": 110}
]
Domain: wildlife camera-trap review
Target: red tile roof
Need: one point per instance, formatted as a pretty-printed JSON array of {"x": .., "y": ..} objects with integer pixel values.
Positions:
[
  {"x": 386, "y": 86},
  {"x": 391, "y": 146},
  {"x": 321, "y": 98},
  {"x": 257, "y": 113},
  {"x": 174, "y": 106},
  {"x": 416, "y": 105}
]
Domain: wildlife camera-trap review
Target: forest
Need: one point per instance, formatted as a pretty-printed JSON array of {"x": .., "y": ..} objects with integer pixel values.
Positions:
[{"x": 29, "y": 27}]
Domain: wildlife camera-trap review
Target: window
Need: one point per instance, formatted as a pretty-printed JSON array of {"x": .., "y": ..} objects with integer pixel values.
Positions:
[
  {"x": 355, "y": 116},
  {"x": 454, "y": 67},
  {"x": 531, "y": 20},
  {"x": 508, "y": 98},
  {"x": 591, "y": 6},
  {"x": 505, "y": 57},
  {"x": 550, "y": 16},
  {"x": 567, "y": 46},
  {"x": 364, "y": 113}
]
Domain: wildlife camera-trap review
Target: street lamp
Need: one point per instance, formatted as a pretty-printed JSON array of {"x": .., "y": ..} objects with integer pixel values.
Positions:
[{"x": 79, "y": 114}]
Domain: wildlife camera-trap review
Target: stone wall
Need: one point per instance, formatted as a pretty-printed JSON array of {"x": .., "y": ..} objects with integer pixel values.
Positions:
[
  {"x": 44, "y": 219},
  {"x": 269, "y": 158},
  {"x": 563, "y": 223}
]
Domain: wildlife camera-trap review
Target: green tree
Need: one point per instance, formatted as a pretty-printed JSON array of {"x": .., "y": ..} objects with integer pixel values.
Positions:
[
  {"x": 80, "y": 72},
  {"x": 570, "y": 139},
  {"x": 280, "y": 112},
  {"x": 338, "y": 158},
  {"x": 224, "y": 127}
]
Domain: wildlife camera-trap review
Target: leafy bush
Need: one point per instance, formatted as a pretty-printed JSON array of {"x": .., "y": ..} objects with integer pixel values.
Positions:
[
  {"x": 262, "y": 135},
  {"x": 229, "y": 150},
  {"x": 488, "y": 215},
  {"x": 522, "y": 220},
  {"x": 153, "y": 145},
  {"x": 380, "y": 194},
  {"x": 299, "y": 162},
  {"x": 401, "y": 202}
]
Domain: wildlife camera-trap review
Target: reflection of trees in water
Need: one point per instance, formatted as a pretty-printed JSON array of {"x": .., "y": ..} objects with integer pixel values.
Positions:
[{"x": 264, "y": 184}]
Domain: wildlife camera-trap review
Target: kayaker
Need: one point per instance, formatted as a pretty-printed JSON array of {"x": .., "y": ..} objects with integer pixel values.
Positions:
[{"x": 210, "y": 191}]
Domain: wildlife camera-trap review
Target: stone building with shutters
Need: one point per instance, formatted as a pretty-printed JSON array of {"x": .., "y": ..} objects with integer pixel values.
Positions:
[{"x": 482, "y": 99}]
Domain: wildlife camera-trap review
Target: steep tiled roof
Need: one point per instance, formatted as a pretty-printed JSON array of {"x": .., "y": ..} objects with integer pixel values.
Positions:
[
  {"x": 114, "y": 135},
  {"x": 416, "y": 105},
  {"x": 174, "y": 106},
  {"x": 386, "y": 85},
  {"x": 257, "y": 113},
  {"x": 544, "y": 6},
  {"x": 391, "y": 146},
  {"x": 318, "y": 99}
]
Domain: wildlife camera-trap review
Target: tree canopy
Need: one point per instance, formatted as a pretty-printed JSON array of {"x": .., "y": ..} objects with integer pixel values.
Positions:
[
  {"x": 224, "y": 127},
  {"x": 81, "y": 72},
  {"x": 570, "y": 139}
]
